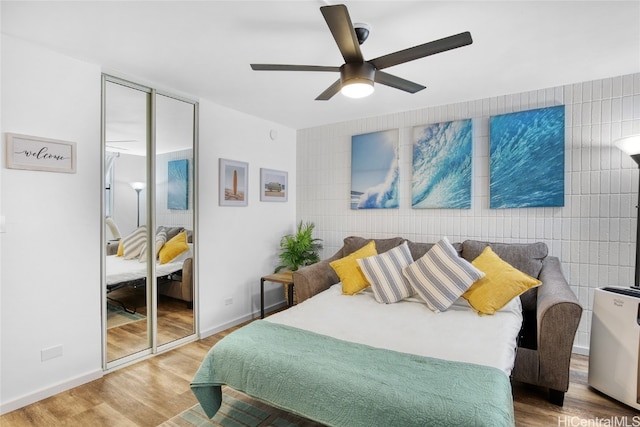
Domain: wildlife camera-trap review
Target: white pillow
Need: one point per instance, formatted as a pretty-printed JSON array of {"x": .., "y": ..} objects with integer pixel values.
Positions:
[
  {"x": 441, "y": 276},
  {"x": 384, "y": 273}
]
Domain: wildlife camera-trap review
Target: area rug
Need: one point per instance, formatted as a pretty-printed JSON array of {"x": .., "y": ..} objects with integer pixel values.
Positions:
[
  {"x": 239, "y": 409},
  {"x": 116, "y": 316}
]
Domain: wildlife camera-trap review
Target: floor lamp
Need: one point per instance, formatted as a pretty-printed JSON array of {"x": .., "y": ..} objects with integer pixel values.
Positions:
[
  {"x": 138, "y": 186},
  {"x": 631, "y": 146}
]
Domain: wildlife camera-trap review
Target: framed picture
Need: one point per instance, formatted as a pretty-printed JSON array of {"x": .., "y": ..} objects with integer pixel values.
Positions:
[
  {"x": 526, "y": 159},
  {"x": 40, "y": 154},
  {"x": 442, "y": 165},
  {"x": 273, "y": 185},
  {"x": 234, "y": 177},
  {"x": 374, "y": 170},
  {"x": 177, "y": 184}
]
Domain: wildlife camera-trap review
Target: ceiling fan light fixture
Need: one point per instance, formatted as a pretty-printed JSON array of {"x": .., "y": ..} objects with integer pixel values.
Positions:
[
  {"x": 357, "y": 89},
  {"x": 357, "y": 79}
]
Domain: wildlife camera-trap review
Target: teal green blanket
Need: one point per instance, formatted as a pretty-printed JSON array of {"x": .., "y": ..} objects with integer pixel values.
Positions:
[{"x": 339, "y": 383}]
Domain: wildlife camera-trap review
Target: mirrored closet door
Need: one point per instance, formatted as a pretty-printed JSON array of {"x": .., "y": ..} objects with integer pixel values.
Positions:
[{"x": 149, "y": 142}]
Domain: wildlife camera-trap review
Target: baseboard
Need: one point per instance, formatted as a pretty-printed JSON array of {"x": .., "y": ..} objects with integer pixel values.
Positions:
[
  {"x": 230, "y": 324},
  {"x": 6, "y": 407},
  {"x": 584, "y": 351}
]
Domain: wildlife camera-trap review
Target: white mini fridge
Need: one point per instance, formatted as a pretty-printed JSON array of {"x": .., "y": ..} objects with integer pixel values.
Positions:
[{"x": 614, "y": 362}]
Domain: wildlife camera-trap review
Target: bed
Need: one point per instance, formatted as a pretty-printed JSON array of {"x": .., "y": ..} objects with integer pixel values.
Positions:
[
  {"x": 348, "y": 361},
  {"x": 132, "y": 273}
]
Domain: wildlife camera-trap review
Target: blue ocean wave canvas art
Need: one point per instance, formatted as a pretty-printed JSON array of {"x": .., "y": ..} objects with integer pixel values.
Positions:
[
  {"x": 442, "y": 158},
  {"x": 177, "y": 184},
  {"x": 375, "y": 170},
  {"x": 527, "y": 158}
]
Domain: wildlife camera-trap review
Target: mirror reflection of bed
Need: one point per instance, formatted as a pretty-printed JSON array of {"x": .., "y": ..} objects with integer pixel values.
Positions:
[{"x": 126, "y": 273}]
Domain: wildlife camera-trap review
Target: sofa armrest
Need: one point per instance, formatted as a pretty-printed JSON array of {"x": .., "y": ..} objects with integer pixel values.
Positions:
[
  {"x": 315, "y": 278},
  {"x": 187, "y": 280},
  {"x": 558, "y": 315}
]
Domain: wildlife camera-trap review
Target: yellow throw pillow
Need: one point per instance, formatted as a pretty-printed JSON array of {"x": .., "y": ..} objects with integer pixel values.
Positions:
[
  {"x": 350, "y": 273},
  {"x": 120, "y": 248},
  {"x": 502, "y": 282},
  {"x": 173, "y": 248}
]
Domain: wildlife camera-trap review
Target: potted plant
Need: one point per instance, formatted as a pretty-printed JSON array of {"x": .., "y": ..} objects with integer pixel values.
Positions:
[{"x": 300, "y": 249}]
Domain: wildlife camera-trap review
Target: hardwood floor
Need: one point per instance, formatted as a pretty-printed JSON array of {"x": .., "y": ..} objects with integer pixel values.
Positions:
[
  {"x": 175, "y": 321},
  {"x": 150, "y": 392}
]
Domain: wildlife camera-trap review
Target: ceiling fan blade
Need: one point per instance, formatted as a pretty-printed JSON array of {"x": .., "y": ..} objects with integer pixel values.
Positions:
[
  {"x": 397, "y": 82},
  {"x": 420, "y": 51},
  {"x": 279, "y": 67},
  {"x": 339, "y": 23},
  {"x": 330, "y": 91}
]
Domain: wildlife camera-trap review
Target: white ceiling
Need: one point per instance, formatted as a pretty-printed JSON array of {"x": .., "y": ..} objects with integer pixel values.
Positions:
[{"x": 204, "y": 48}]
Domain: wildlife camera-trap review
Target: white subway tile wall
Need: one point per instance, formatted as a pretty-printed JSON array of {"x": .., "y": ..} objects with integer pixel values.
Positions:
[{"x": 593, "y": 234}]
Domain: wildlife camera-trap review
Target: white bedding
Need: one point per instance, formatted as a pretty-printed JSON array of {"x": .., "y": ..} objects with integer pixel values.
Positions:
[
  {"x": 122, "y": 270},
  {"x": 458, "y": 334}
]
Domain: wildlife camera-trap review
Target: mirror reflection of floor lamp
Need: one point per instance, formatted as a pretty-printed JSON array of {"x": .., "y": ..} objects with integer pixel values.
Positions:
[
  {"x": 138, "y": 186},
  {"x": 631, "y": 146}
]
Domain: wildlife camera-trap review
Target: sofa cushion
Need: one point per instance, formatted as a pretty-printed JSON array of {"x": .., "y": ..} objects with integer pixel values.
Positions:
[
  {"x": 526, "y": 257},
  {"x": 350, "y": 273},
  {"x": 384, "y": 272},
  {"x": 353, "y": 243},
  {"x": 419, "y": 249},
  {"x": 501, "y": 283},
  {"x": 171, "y": 232},
  {"x": 441, "y": 276}
]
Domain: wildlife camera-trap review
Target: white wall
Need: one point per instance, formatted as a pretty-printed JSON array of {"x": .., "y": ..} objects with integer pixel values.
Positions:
[
  {"x": 50, "y": 265},
  {"x": 2, "y": 217},
  {"x": 593, "y": 234},
  {"x": 238, "y": 245},
  {"x": 51, "y": 249}
]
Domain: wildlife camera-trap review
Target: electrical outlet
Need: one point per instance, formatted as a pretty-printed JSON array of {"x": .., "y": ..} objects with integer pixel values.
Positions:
[
  {"x": 228, "y": 301},
  {"x": 50, "y": 353}
]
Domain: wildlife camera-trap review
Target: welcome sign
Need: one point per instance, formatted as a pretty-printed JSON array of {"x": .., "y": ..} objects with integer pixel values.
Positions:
[{"x": 42, "y": 154}]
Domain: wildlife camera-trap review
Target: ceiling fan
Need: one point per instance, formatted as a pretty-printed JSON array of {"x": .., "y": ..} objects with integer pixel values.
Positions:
[{"x": 357, "y": 75}]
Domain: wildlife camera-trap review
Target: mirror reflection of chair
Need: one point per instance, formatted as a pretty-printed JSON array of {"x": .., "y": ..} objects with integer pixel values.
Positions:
[{"x": 114, "y": 239}]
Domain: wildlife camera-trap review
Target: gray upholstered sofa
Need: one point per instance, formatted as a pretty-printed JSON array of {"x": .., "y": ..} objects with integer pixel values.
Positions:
[
  {"x": 551, "y": 311},
  {"x": 179, "y": 285}
]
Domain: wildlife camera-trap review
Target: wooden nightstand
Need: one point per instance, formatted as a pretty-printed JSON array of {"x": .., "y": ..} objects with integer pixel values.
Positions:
[{"x": 285, "y": 278}]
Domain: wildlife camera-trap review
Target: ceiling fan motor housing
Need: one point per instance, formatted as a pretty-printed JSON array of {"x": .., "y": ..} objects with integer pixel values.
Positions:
[
  {"x": 361, "y": 72},
  {"x": 362, "y": 31}
]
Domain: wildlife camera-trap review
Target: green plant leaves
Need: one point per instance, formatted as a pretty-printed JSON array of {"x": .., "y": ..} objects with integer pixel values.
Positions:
[{"x": 300, "y": 249}]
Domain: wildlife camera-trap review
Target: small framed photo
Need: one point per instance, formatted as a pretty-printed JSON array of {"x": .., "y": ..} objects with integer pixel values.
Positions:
[
  {"x": 40, "y": 154},
  {"x": 273, "y": 185},
  {"x": 234, "y": 178}
]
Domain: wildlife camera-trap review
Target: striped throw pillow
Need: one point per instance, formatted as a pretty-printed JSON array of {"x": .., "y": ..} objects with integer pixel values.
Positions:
[
  {"x": 441, "y": 276},
  {"x": 384, "y": 272},
  {"x": 132, "y": 244},
  {"x": 161, "y": 239}
]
